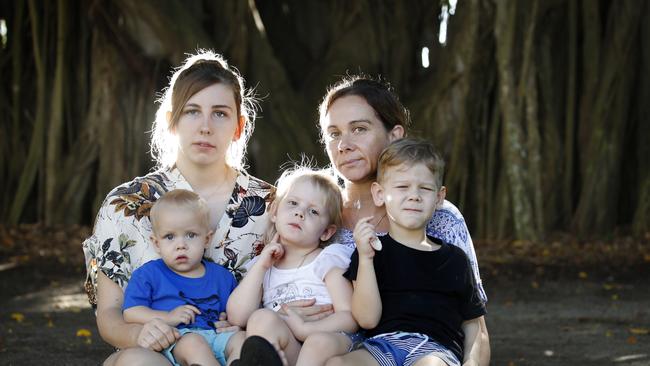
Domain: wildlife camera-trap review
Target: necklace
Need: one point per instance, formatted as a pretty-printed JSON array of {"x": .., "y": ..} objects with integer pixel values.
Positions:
[
  {"x": 357, "y": 206},
  {"x": 382, "y": 219},
  {"x": 302, "y": 261}
]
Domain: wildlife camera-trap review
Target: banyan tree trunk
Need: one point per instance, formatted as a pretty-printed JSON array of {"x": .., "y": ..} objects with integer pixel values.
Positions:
[{"x": 540, "y": 108}]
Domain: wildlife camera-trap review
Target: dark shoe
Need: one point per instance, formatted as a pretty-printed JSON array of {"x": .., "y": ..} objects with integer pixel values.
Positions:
[{"x": 257, "y": 351}]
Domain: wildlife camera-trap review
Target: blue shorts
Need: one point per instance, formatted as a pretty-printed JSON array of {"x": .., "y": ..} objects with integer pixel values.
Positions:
[
  {"x": 216, "y": 341},
  {"x": 401, "y": 348},
  {"x": 356, "y": 339}
]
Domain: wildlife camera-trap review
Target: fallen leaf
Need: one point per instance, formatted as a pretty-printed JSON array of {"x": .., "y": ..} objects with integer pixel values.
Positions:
[
  {"x": 607, "y": 286},
  {"x": 534, "y": 284},
  {"x": 519, "y": 243},
  {"x": 631, "y": 340},
  {"x": 639, "y": 331},
  {"x": 83, "y": 333},
  {"x": 608, "y": 333},
  {"x": 583, "y": 275},
  {"x": 615, "y": 297},
  {"x": 18, "y": 317}
]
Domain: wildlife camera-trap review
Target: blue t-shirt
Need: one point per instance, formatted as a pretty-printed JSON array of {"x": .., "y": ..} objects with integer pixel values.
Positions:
[{"x": 156, "y": 286}]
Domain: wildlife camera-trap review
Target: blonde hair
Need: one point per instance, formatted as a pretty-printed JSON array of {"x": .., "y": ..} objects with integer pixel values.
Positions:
[
  {"x": 200, "y": 70},
  {"x": 181, "y": 198},
  {"x": 323, "y": 180},
  {"x": 409, "y": 151}
]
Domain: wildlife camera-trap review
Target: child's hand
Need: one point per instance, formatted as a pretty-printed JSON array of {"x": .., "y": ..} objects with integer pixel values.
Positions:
[
  {"x": 366, "y": 238},
  {"x": 272, "y": 252},
  {"x": 183, "y": 314}
]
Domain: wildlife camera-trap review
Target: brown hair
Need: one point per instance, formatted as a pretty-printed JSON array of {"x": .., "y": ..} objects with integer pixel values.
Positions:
[
  {"x": 378, "y": 94},
  {"x": 198, "y": 72},
  {"x": 409, "y": 152},
  {"x": 181, "y": 198}
]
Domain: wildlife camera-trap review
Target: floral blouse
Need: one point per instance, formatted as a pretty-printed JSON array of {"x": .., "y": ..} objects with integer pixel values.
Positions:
[{"x": 120, "y": 241}]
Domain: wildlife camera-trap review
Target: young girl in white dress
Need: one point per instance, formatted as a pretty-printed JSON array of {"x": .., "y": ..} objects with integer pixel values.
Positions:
[{"x": 297, "y": 263}]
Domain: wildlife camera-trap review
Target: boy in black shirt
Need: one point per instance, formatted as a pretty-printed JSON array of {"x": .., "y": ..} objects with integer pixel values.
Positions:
[{"x": 414, "y": 294}]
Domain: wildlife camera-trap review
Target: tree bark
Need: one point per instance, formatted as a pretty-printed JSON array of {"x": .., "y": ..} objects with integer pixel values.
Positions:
[
  {"x": 609, "y": 119},
  {"x": 641, "y": 220},
  {"x": 515, "y": 152},
  {"x": 570, "y": 115},
  {"x": 35, "y": 153},
  {"x": 55, "y": 128}
]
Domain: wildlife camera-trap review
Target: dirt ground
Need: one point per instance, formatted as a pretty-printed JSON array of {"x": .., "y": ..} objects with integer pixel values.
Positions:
[{"x": 571, "y": 305}]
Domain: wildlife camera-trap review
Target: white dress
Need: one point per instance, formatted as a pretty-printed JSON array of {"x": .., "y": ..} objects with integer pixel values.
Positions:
[{"x": 305, "y": 282}]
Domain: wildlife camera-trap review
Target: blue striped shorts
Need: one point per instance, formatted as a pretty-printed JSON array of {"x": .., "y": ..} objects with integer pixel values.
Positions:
[{"x": 401, "y": 348}]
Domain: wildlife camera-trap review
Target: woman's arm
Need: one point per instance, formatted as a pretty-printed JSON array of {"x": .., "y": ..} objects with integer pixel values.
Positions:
[
  {"x": 307, "y": 310},
  {"x": 141, "y": 314},
  {"x": 340, "y": 291},
  {"x": 485, "y": 343},
  {"x": 458, "y": 234},
  {"x": 155, "y": 335},
  {"x": 472, "y": 344}
]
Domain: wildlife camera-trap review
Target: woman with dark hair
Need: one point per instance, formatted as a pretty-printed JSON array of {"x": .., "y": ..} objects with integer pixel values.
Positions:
[{"x": 359, "y": 117}]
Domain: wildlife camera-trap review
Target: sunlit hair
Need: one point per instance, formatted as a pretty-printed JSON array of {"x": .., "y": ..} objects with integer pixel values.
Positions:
[
  {"x": 325, "y": 183},
  {"x": 408, "y": 152},
  {"x": 180, "y": 199},
  {"x": 378, "y": 94},
  {"x": 199, "y": 71}
]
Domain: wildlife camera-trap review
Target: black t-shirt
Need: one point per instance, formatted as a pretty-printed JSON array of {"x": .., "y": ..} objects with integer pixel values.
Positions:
[{"x": 428, "y": 292}]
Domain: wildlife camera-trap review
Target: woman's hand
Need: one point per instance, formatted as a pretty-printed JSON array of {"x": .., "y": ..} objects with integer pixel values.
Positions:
[
  {"x": 223, "y": 326},
  {"x": 365, "y": 238},
  {"x": 157, "y": 335},
  {"x": 306, "y": 310},
  {"x": 183, "y": 314},
  {"x": 296, "y": 323},
  {"x": 272, "y": 252}
]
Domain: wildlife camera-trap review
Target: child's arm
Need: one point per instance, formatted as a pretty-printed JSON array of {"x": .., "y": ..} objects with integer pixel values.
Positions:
[
  {"x": 141, "y": 314},
  {"x": 116, "y": 331},
  {"x": 340, "y": 291},
  {"x": 472, "y": 344},
  {"x": 246, "y": 297},
  {"x": 366, "y": 301}
]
